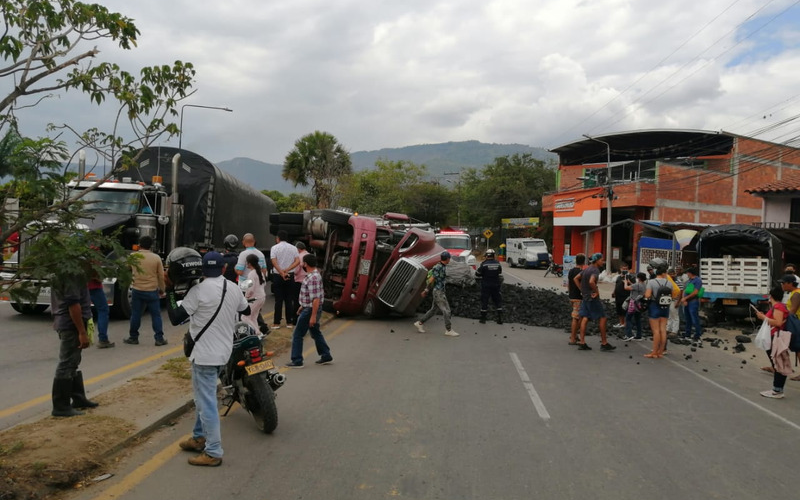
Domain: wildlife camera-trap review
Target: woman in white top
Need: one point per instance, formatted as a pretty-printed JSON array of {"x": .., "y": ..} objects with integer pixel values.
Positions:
[{"x": 255, "y": 292}]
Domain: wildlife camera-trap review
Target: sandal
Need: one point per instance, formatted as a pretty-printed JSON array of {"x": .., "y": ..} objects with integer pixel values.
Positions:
[
  {"x": 769, "y": 369},
  {"x": 651, "y": 355},
  {"x": 573, "y": 343}
]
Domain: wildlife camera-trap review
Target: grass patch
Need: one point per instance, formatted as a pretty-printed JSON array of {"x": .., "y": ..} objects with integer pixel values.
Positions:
[
  {"x": 178, "y": 368},
  {"x": 8, "y": 450}
]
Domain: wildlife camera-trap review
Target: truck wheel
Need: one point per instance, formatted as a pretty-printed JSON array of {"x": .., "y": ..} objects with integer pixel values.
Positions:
[
  {"x": 29, "y": 309},
  {"x": 511, "y": 263},
  {"x": 122, "y": 302},
  {"x": 369, "y": 308},
  {"x": 335, "y": 217},
  {"x": 522, "y": 262}
]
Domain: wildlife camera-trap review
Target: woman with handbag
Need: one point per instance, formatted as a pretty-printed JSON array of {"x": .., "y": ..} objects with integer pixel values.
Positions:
[
  {"x": 633, "y": 315},
  {"x": 776, "y": 318}
]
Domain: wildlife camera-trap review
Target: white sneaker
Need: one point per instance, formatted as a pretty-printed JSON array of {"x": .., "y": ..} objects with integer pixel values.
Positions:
[
  {"x": 451, "y": 333},
  {"x": 772, "y": 394},
  {"x": 618, "y": 326},
  {"x": 418, "y": 324}
]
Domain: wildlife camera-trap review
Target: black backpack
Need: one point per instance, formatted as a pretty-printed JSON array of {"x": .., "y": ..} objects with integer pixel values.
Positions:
[{"x": 664, "y": 295}]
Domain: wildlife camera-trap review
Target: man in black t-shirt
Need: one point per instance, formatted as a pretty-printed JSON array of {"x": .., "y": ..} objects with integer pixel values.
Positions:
[
  {"x": 575, "y": 296},
  {"x": 620, "y": 294}
]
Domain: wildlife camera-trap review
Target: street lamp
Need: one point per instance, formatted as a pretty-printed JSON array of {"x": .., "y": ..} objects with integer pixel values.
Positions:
[
  {"x": 180, "y": 132},
  {"x": 609, "y": 197}
]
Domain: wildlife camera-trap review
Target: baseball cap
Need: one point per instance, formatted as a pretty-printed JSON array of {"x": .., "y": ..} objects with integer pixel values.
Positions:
[
  {"x": 789, "y": 278},
  {"x": 213, "y": 263},
  {"x": 595, "y": 257}
]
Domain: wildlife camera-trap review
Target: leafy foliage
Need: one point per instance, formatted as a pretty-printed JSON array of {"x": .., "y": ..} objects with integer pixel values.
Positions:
[
  {"x": 293, "y": 202},
  {"x": 390, "y": 187},
  {"x": 41, "y": 47},
  {"x": 318, "y": 159},
  {"x": 512, "y": 186}
]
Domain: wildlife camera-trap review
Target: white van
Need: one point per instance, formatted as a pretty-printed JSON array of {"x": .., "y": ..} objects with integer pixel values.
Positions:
[{"x": 527, "y": 252}]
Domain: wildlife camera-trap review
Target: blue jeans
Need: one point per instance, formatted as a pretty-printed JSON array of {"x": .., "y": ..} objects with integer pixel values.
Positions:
[
  {"x": 150, "y": 300},
  {"x": 693, "y": 318},
  {"x": 300, "y": 330},
  {"x": 100, "y": 302},
  {"x": 630, "y": 318},
  {"x": 204, "y": 384}
]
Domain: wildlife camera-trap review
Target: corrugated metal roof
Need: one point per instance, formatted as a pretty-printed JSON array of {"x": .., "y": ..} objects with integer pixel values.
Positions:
[{"x": 790, "y": 184}]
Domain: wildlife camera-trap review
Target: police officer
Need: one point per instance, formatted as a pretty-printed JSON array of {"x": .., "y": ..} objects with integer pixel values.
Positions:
[
  {"x": 230, "y": 257},
  {"x": 490, "y": 273}
]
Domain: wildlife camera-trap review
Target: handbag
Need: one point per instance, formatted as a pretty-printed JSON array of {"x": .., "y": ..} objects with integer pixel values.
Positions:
[
  {"x": 188, "y": 341},
  {"x": 763, "y": 338}
]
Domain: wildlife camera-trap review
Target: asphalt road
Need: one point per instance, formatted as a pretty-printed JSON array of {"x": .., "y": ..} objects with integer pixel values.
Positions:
[
  {"x": 29, "y": 355},
  {"x": 502, "y": 412}
]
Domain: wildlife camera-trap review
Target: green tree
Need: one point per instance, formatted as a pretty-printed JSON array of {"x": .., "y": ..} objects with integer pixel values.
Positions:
[
  {"x": 512, "y": 186},
  {"x": 293, "y": 202},
  {"x": 319, "y": 160},
  {"x": 41, "y": 47},
  {"x": 390, "y": 187}
]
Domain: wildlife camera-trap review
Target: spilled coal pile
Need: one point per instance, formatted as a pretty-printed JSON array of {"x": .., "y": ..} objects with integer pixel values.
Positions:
[{"x": 524, "y": 305}]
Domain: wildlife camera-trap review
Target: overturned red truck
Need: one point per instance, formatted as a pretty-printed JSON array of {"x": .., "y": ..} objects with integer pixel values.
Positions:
[{"x": 371, "y": 265}]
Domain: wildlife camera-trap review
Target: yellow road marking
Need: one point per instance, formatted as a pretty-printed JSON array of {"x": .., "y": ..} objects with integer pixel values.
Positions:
[
  {"x": 159, "y": 459},
  {"x": 42, "y": 399}
]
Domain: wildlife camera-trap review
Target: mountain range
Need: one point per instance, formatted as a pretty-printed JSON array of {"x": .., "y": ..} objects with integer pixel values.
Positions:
[{"x": 439, "y": 159}]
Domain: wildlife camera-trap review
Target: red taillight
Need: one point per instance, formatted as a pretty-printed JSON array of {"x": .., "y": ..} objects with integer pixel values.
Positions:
[{"x": 255, "y": 354}]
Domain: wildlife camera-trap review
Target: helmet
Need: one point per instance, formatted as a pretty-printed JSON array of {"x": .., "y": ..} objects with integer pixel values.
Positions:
[
  {"x": 231, "y": 242},
  {"x": 489, "y": 253},
  {"x": 659, "y": 265},
  {"x": 184, "y": 265}
]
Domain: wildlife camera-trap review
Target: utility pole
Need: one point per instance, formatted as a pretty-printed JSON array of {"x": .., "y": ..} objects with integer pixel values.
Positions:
[{"x": 609, "y": 192}]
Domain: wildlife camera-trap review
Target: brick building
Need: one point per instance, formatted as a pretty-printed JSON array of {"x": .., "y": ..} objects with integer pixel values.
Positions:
[{"x": 671, "y": 176}]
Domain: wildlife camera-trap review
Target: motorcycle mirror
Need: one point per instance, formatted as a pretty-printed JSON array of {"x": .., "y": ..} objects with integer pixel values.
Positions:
[{"x": 245, "y": 285}]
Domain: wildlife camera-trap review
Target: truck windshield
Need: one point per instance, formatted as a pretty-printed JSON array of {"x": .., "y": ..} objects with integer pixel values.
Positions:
[
  {"x": 454, "y": 242},
  {"x": 111, "y": 202},
  {"x": 535, "y": 244}
]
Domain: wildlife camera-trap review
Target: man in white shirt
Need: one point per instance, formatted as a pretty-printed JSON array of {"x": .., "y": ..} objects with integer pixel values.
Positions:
[
  {"x": 211, "y": 351},
  {"x": 285, "y": 258},
  {"x": 249, "y": 243}
]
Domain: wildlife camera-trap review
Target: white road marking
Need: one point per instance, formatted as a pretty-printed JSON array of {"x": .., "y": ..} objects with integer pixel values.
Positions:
[
  {"x": 739, "y": 396},
  {"x": 526, "y": 382}
]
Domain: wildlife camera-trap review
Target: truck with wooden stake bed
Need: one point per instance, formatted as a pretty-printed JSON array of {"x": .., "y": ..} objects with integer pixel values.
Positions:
[{"x": 175, "y": 196}]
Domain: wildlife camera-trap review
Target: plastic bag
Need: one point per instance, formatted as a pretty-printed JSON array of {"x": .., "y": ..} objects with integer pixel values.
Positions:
[
  {"x": 763, "y": 338},
  {"x": 90, "y": 328}
]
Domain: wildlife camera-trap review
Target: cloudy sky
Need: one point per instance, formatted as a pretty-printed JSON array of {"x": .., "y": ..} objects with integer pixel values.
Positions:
[{"x": 378, "y": 73}]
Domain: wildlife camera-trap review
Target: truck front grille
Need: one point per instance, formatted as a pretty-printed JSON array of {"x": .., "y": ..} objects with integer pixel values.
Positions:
[{"x": 403, "y": 281}]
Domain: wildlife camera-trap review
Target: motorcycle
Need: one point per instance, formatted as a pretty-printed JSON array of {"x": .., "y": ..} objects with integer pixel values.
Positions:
[
  {"x": 251, "y": 379},
  {"x": 554, "y": 268}
]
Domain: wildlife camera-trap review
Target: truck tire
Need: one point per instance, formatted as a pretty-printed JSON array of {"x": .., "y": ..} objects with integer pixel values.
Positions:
[
  {"x": 336, "y": 217},
  {"x": 511, "y": 263},
  {"x": 29, "y": 309},
  {"x": 122, "y": 302},
  {"x": 291, "y": 218},
  {"x": 522, "y": 262}
]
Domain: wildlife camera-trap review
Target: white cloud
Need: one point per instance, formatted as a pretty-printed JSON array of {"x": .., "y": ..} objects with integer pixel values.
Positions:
[{"x": 384, "y": 74}]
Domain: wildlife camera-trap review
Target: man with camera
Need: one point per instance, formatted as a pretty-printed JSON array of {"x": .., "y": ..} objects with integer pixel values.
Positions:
[{"x": 212, "y": 307}]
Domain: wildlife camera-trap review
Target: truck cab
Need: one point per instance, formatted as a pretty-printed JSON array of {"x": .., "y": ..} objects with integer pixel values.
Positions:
[
  {"x": 459, "y": 244},
  {"x": 527, "y": 252},
  {"x": 371, "y": 265}
]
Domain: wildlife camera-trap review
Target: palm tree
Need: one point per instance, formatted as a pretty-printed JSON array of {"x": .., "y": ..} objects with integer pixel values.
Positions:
[{"x": 317, "y": 159}]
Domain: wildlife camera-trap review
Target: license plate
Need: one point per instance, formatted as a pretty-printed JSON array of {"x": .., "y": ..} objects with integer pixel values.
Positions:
[
  {"x": 729, "y": 302},
  {"x": 259, "y": 367}
]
